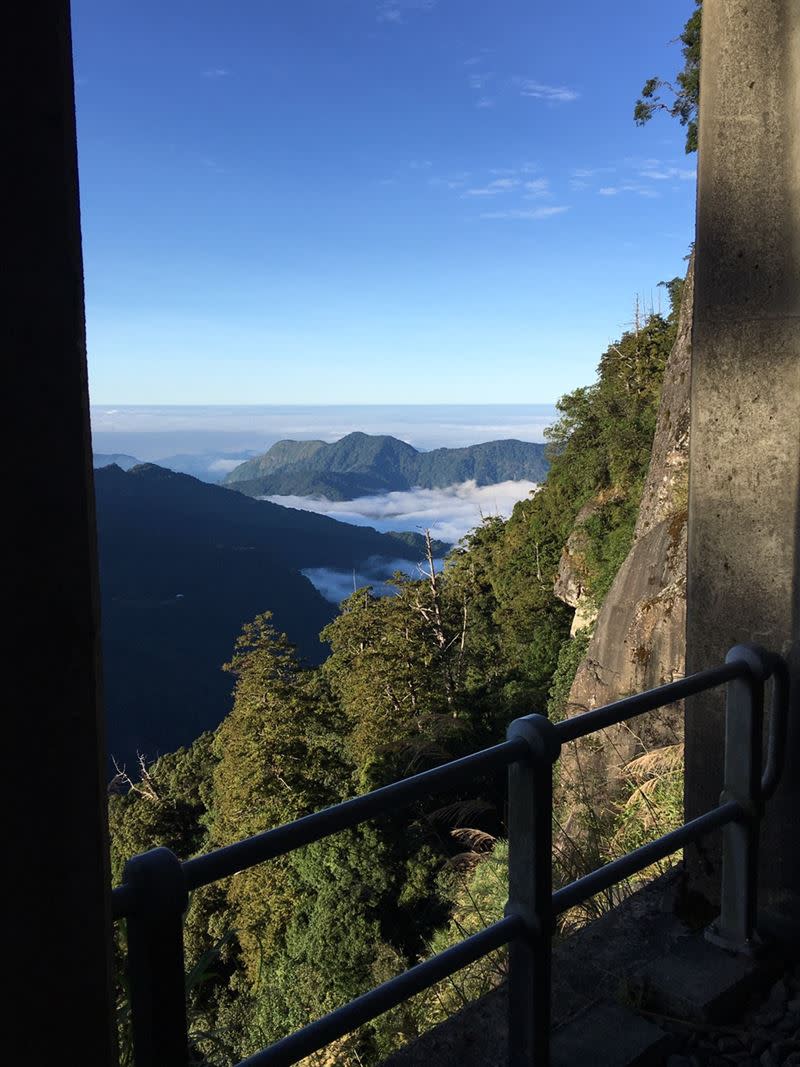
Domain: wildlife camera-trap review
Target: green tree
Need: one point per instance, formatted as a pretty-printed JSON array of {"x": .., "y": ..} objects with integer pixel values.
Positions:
[
  {"x": 433, "y": 670},
  {"x": 166, "y": 803},
  {"x": 279, "y": 756},
  {"x": 684, "y": 100},
  {"x": 391, "y": 678}
]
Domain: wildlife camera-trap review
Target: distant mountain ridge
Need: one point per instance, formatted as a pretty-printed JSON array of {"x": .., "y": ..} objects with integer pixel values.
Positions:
[
  {"x": 363, "y": 464},
  {"x": 116, "y": 459},
  {"x": 183, "y": 564}
]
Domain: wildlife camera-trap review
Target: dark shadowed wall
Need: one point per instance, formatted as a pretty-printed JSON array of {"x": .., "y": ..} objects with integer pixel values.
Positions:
[{"x": 55, "y": 825}]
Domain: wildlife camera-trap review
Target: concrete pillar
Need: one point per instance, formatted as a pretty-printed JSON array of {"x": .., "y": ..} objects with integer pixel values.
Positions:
[
  {"x": 56, "y": 928},
  {"x": 744, "y": 485}
]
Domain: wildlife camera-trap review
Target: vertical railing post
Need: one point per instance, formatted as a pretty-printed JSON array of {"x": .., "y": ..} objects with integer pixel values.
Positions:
[
  {"x": 155, "y": 959},
  {"x": 530, "y": 889},
  {"x": 735, "y": 929}
]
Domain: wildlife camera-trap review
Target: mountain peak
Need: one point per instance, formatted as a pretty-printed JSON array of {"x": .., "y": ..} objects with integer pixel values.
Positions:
[{"x": 361, "y": 464}]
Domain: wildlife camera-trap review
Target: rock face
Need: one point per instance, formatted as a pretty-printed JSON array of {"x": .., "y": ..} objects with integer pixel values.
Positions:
[
  {"x": 639, "y": 640},
  {"x": 571, "y": 584}
]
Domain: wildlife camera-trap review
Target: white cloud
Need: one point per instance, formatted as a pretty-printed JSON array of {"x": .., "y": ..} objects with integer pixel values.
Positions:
[
  {"x": 553, "y": 94},
  {"x": 522, "y": 213},
  {"x": 523, "y": 168},
  {"x": 484, "y": 101},
  {"x": 536, "y": 188},
  {"x": 669, "y": 173},
  {"x": 590, "y": 172},
  {"x": 473, "y": 61},
  {"x": 224, "y": 466},
  {"x": 659, "y": 170},
  {"x": 455, "y": 181},
  {"x": 478, "y": 81},
  {"x": 639, "y": 190},
  {"x": 449, "y": 513},
  {"x": 335, "y": 585},
  {"x": 219, "y": 430},
  {"x": 499, "y": 185},
  {"x": 641, "y": 177},
  {"x": 394, "y": 11},
  {"x": 216, "y": 72}
]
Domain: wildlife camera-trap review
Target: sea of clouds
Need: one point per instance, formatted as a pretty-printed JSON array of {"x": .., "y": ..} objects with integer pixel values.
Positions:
[
  {"x": 209, "y": 441},
  {"x": 448, "y": 513},
  {"x": 335, "y": 585}
]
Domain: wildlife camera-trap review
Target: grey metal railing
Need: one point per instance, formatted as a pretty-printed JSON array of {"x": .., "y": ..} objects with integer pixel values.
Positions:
[{"x": 155, "y": 891}]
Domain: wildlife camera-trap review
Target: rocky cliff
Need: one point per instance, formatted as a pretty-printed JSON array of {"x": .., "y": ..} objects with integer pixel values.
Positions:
[{"x": 638, "y": 640}]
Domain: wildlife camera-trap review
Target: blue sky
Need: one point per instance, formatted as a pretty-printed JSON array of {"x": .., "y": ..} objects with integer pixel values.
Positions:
[{"x": 358, "y": 201}]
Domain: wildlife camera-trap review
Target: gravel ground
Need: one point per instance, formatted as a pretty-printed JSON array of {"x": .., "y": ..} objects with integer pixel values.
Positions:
[{"x": 768, "y": 1034}]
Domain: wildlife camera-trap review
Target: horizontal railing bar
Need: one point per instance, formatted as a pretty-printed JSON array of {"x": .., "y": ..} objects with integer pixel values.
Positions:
[
  {"x": 611, "y": 714},
  {"x": 364, "y": 1008},
  {"x": 604, "y": 877},
  {"x": 272, "y": 843}
]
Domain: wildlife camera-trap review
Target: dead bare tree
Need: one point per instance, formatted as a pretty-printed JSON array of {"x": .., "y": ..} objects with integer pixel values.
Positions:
[
  {"x": 434, "y": 617},
  {"x": 144, "y": 787}
]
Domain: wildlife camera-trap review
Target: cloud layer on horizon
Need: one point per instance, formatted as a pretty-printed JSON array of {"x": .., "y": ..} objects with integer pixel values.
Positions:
[{"x": 448, "y": 513}]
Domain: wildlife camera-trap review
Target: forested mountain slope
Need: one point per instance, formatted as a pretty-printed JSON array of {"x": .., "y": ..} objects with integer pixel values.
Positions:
[
  {"x": 183, "y": 566},
  {"x": 576, "y": 599},
  {"x": 362, "y": 464},
  {"x": 637, "y": 642},
  {"x": 431, "y": 673}
]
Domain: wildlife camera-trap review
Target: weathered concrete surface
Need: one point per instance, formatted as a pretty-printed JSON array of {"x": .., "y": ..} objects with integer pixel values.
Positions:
[
  {"x": 619, "y": 1038},
  {"x": 55, "y": 836},
  {"x": 744, "y": 495},
  {"x": 639, "y": 636},
  {"x": 700, "y": 982}
]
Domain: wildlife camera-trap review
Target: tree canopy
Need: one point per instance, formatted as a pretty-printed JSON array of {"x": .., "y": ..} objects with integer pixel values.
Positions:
[
  {"x": 683, "y": 96},
  {"x": 434, "y": 670}
]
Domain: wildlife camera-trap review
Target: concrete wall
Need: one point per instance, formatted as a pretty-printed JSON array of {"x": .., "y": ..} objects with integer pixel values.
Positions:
[
  {"x": 56, "y": 928},
  {"x": 744, "y": 484}
]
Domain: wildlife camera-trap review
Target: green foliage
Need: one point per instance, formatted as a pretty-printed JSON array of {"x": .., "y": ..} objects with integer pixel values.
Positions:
[
  {"x": 652, "y": 803},
  {"x": 166, "y": 804},
  {"x": 360, "y": 464},
  {"x": 609, "y": 532},
  {"x": 182, "y": 565},
  {"x": 433, "y": 671},
  {"x": 685, "y": 94},
  {"x": 570, "y": 656},
  {"x": 477, "y": 887},
  {"x": 277, "y": 759},
  {"x": 600, "y": 449}
]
